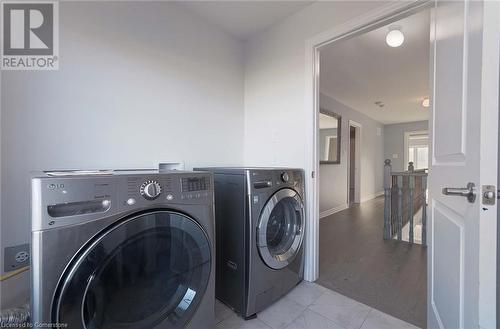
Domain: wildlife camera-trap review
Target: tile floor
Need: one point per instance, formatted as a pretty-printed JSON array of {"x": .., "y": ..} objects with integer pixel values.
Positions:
[{"x": 311, "y": 306}]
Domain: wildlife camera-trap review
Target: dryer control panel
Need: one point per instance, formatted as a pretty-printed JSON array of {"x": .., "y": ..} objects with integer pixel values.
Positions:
[{"x": 279, "y": 178}]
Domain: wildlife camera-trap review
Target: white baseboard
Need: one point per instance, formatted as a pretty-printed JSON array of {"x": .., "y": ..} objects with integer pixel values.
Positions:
[
  {"x": 372, "y": 196},
  {"x": 332, "y": 211}
]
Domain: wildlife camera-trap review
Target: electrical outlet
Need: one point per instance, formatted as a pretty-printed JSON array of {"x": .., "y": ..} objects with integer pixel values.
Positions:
[{"x": 16, "y": 257}]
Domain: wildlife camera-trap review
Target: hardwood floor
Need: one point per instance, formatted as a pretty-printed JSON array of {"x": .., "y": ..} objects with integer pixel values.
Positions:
[{"x": 355, "y": 261}]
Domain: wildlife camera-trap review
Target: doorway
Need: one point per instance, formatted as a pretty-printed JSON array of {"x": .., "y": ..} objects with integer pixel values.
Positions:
[
  {"x": 354, "y": 182},
  {"x": 365, "y": 81},
  {"x": 465, "y": 87}
]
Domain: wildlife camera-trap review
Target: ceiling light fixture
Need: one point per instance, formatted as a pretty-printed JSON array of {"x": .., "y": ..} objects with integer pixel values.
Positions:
[
  {"x": 394, "y": 37},
  {"x": 426, "y": 102}
]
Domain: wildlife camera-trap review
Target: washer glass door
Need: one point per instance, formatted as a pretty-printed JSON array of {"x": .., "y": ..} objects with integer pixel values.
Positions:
[
  {"x": 280, "y": 230},
  {"x": 148, "y": 271}
]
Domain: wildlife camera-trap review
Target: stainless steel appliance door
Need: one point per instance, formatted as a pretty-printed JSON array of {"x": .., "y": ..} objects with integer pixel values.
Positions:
[
  {"x": 149, "y": 270},
  {"x": 280, "y": 230}
]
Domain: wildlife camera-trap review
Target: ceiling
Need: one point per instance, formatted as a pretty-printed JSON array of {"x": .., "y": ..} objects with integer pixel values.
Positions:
[
  {"x": 243, "y": 19},
  {"x": 363, "y": 70}
]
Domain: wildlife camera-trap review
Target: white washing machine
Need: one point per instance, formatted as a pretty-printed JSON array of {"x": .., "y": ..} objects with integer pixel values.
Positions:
[{"x": 123, "y": 249}]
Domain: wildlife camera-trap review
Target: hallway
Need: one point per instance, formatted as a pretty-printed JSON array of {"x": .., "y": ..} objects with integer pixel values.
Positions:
[{"x": 356, "y": 262}]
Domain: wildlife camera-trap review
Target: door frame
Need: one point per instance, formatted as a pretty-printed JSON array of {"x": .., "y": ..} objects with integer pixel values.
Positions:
[
  {"x": 369, "y": 21},
  {"x": 357, "y": 175}
]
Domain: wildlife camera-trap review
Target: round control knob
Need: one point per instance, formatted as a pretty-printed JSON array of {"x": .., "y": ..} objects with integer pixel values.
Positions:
[
  {"x": 285, "y": 177},
  {"x": 150, "y": 190}
]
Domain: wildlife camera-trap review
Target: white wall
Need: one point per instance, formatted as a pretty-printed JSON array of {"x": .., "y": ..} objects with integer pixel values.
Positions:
[
  {"x": 138, "y": 83},
  {"x": 394, "y": 136},
  {"x": 275, "y": 83},
  {"x": 333, "y": 179}
]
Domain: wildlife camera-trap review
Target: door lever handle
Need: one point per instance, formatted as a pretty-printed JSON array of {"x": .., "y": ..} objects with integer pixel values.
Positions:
[{"x": 469, "y": 192}]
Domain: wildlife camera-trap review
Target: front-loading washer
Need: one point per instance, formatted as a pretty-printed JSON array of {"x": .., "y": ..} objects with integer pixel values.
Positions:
[
  {"x": 123, "y": 249},
  {"x": 260, "y": 227}
]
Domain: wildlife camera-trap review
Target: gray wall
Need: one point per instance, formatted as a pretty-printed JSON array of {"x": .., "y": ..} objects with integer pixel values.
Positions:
[
  {"x": 139, "y": 83},
  {"x": 394, "y": 141},
  {"x": 333, "y": 178}
]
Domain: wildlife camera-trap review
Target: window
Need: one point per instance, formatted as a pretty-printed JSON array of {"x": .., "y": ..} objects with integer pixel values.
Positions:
[
  {"x": 418, "y": 149},
  {"x": 419, "y": 156}
]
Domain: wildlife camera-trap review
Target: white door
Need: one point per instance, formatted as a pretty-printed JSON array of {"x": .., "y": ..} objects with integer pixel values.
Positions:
[{"x": 464, "y": 134}]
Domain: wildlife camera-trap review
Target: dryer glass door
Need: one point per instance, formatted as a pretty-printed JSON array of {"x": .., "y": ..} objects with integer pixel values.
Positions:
[
  {"x": 281, "y": 228},
  {"x": 148, "y": 271}
]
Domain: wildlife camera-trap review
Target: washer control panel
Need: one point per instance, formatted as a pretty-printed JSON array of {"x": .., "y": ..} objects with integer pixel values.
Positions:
[
  {"x": 61, "y": 201},
  {"x": 173, "y": 188}
]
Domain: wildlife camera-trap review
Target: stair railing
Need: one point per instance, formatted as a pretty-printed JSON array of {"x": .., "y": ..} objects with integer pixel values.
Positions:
[{"x": 405, "y": 195}]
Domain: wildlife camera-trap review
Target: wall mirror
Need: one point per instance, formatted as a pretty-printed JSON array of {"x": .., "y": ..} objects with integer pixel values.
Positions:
[{"x": 329, "y": 137}]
